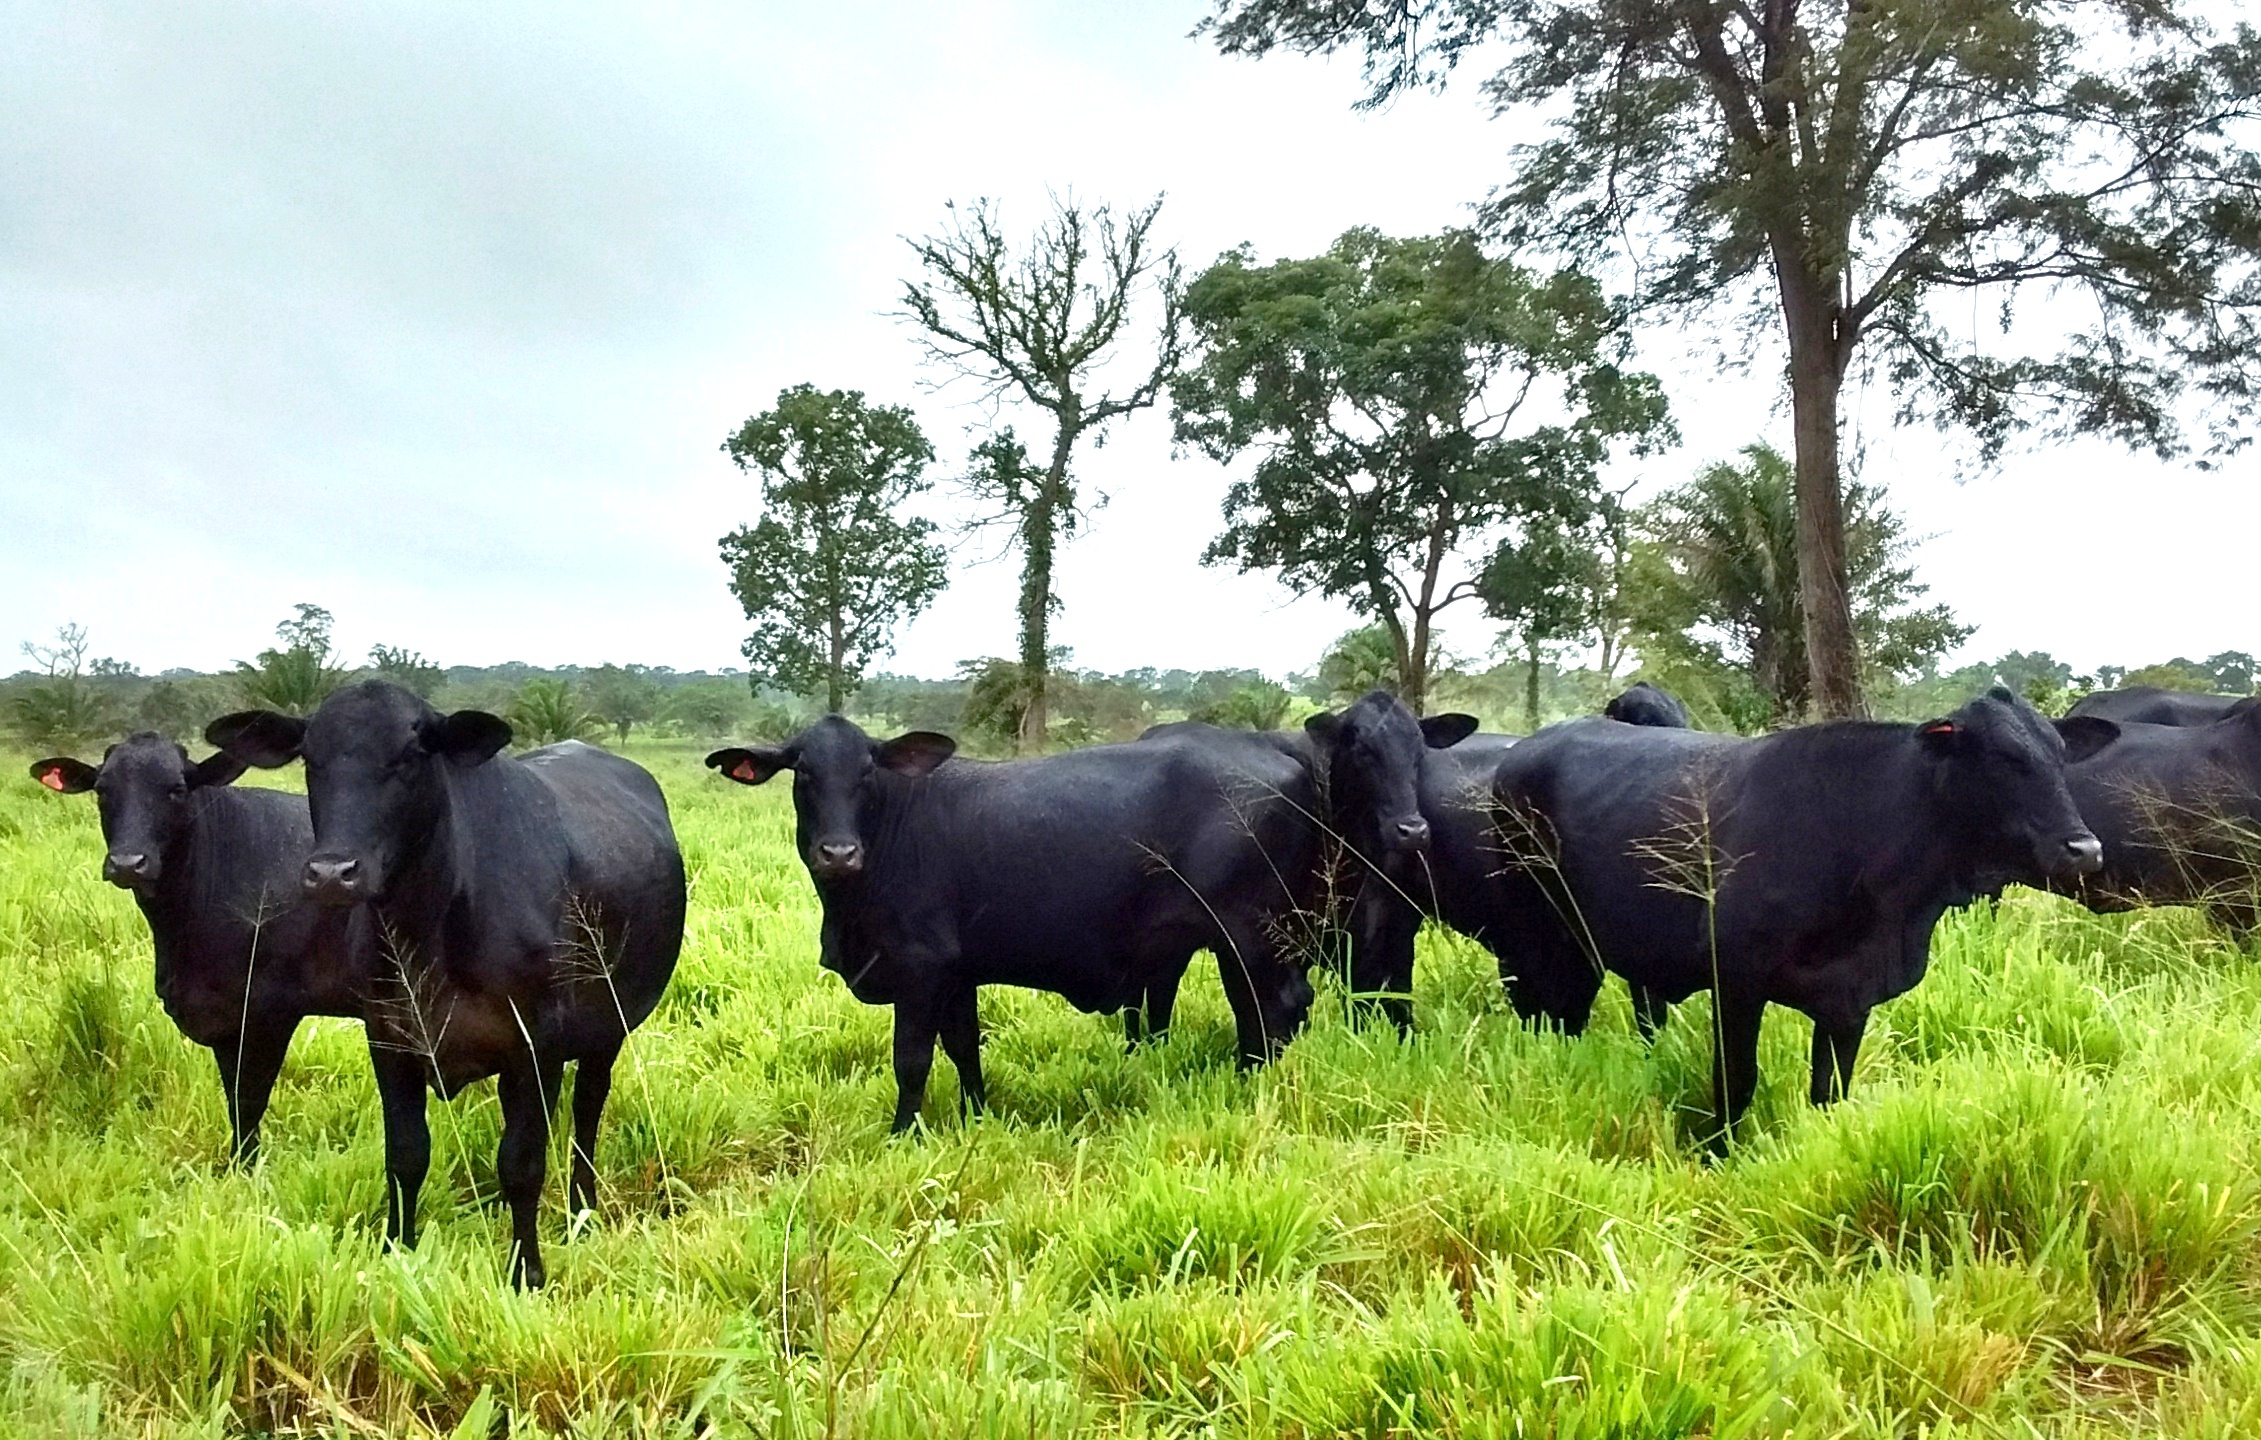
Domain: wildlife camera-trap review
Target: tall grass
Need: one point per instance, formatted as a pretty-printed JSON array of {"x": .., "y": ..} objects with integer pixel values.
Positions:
[{"x": 2037, "y": 1214}]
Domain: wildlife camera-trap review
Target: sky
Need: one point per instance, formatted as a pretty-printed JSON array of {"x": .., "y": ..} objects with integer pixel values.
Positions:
[{"x": 437, "y": 315}]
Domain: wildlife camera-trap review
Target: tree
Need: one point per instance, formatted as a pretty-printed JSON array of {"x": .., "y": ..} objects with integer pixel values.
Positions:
[
  {"x": 547, "y": 711},
  {"x": 301, "y": 674},
  {"x": 1722, "y": 585},
  {"x": 1388, "y": 389},
  {"x": 831, "y": 568},
  {"x": 621, "y": 696},
  {"x": 407, "y": 669},
  {"x": 67, "y": 708},
  {"x": 1847, "y": 172},
  {"x": 708, "y": 709},
  {"x": 1360, "y": 660},
  {"x": 1258, "y": 705},
  {"x": 1036, "y": 327},
  {"x": 1543, "y": 586}
]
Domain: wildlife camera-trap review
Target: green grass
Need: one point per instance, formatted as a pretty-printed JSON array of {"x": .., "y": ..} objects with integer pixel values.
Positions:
[{"x": 2039, "y": 1213}]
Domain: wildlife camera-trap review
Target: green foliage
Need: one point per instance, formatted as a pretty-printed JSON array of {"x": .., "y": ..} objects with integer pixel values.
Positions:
[
  {"x": 2038, "y": 1214},
  {"x": 832, "y": 566},
  {"x": 622, "y": 696},
  {"x": 1382, "y": 388},
  {"x": 1717, "y": 586},
  {"x": 301, "y": 673},
  {"x": 407, "y": 669},
  {"x": 1360, "y": 660},
  {"x": 2177, "y": 674},
  {"x": 1261, "y": 706},
  {"x": 67, "y": 708},
  {"x": 547, "y": 711},
  {"x": 707, "y": 709},
  {"x": 1857, "y": 177}
]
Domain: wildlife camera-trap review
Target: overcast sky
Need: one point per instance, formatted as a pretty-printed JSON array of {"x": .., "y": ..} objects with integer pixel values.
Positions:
[{"x": 436, "y": 315}]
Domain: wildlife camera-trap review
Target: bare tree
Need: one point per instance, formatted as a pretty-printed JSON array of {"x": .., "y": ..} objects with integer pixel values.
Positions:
[{"x": 1036, "y": 326}]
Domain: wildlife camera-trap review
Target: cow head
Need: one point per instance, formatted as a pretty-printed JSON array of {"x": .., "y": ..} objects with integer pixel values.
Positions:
[
  {"x": 142, "y": 789},
  {"x": 377, "y": 759},
  {"x": 1646, "y": 704},
  {"x": 1373, "y": 756},
  {"x": 2000, "y": 773},
  {"x": 835, "y": 767}
]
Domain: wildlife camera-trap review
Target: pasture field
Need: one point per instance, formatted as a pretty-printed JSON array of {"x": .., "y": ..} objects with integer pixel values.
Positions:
[{"x": 2039, "y": 1214}]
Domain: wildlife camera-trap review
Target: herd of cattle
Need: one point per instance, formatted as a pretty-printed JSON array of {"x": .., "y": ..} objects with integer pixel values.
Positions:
[{"x": 489, "y": 914}]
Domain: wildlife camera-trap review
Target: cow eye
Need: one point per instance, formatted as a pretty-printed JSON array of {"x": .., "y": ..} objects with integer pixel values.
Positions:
[{"x": 178, "y": 792}]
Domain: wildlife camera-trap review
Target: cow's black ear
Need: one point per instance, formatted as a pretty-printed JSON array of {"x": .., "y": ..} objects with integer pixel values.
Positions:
[
  {"x": 1442, "y": 732},
  {"x": 1323, "y": 727},
  {"x": 63, "y": 775},
  {"x": 748, "y": 767},
  {"x": 217, "y": 768},
  {"x": 258, "y": 737},
  {"x": 2085, "y": 735},
  {"x": 468, "y": 737},
  {"x": 915, "y": 753}
]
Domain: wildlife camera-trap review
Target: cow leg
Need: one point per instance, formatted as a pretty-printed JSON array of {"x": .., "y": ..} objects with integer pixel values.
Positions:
[
  {"x": 1381, "y": 961},
  {"x": 1734, "y": 1059},
  {"x": 917, "y": 1021},
  {"x": 1150, "y": 1018},
  {"x": 408, "y": 1139},
  {"x": 1261, "y": 986},
  {"x": 522, "y": 1160},
  {"x": 1651, "y": 1012},
  {"x": 1834, "y": 1049},
  {"x": 961, "y": 1041},
  {"x": 592, "y": 1086},
  {"x": 248, "y": 1067}
]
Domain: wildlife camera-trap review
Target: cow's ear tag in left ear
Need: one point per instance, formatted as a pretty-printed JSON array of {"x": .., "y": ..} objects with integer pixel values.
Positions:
[
  {"x": 1940, "y": 727},
  {"x": 744, "y": 770},
  {"x": 52, "y": 778}
]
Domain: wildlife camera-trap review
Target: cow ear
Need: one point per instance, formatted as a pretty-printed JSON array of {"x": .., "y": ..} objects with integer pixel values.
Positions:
[
  {"x": 2085, "y": 735},
  {"x": 748, "y": 767},
  {"x": 1442, "y": 732},
  {"x": 468, "y": 737},
  {"x": 1940, "y": 735},
  {"x": 258, "y": 737},
  {"x": 916, "y": 753},
  {"x": 1323, "y": 727},
  {"x": 217, "y": 768},
  {"x": 63, "y": 775}
]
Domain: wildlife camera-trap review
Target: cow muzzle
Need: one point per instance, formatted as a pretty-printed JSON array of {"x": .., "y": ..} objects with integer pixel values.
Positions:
[
  {"x": 2068, "y": 856},
  {"x": 335, "y": 882},
  {"x": 836, "y": 860},
  {"x": 130, "y": 870},
  {"x": 1406, "y": 836}
]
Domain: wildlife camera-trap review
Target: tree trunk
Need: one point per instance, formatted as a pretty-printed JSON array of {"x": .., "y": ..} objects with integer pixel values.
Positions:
[
  {"x": 1818, "y": 350},
  {"x": 1531, "y": 685},
  {"x": 1039, "y": 534},
  {"x": 835, "y": 688}
]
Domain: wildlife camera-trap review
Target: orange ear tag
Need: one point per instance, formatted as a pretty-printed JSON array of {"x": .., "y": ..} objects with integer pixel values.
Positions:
[
  {"x": 743, "y": 770},
  {"x": 52, "y": 778},
  {"x": 1941, "y": 727}
]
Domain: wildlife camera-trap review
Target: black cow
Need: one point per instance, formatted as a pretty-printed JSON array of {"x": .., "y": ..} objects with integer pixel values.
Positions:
[
  {"x": 1646, "y": 704},
  {"x": 1826, "y": 855},
  {"x": 1369, "y": 761},
  {"x": 2178, "y": 808},
  {"x": 1088, "y": 875},
  {"x": 242, "y": 955},
  {"x": 530, "y": 908},
  {"x": 2150, "y": 705},
  {"x": 1455, "y": 882}
]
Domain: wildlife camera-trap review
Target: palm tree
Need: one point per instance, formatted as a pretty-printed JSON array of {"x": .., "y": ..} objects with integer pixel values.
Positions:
[
  {"x": 547, "y": 711},
  {"x": 1720, "y": 582}
]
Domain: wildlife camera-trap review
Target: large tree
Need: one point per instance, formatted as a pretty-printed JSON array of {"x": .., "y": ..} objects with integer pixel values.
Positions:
[
  {"x": 1855, "y": 175},
  {"x": 1718, "y": 585},
  {"x": 299, "y": 674},
  {"x": 1401, "y": 397},
  {"x": 832, "y": 566},
  {"x": 1037, "y": 327}
]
